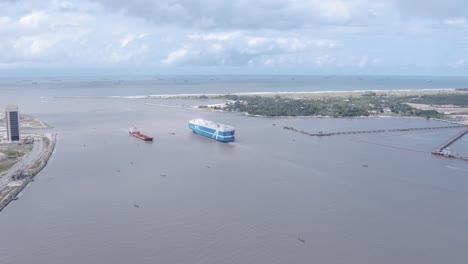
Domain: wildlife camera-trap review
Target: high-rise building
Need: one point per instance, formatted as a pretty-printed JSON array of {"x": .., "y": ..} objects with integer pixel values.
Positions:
[{"x": 12, "y": 123}]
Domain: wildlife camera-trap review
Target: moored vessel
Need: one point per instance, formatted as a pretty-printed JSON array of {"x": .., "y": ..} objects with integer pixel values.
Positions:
[
  {"x": 136, "y": 133},
  {"x": 220, "y": 132}
]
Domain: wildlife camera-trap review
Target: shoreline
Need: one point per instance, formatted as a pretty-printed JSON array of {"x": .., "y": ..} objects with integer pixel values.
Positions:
[
  {"x": 268, "y": 93},
  {"x": 34, "y": 168},
  {"x": 352, "y": 117},
  {"x": 312, "y": 95}
]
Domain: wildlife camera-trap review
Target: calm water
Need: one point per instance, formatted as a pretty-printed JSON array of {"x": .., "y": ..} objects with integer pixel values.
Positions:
[
  {"x": 246, "y": 202},
  {"x": 144, "y": 85}
]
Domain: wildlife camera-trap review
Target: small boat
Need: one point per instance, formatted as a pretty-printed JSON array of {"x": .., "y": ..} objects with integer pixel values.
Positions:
[{"x": 136, "y": 133}]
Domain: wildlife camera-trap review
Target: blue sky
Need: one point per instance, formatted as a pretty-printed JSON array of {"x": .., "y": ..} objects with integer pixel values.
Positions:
[{"x": 238, "y": 36}]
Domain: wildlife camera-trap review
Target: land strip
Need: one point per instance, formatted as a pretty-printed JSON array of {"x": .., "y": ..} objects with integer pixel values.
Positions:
[
  {"x": 21, "y": 161},
  {"x": 11, "y": 182}
]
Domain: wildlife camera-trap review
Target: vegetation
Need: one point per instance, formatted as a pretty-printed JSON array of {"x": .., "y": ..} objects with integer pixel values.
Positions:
[
  {"x": 458, "y": 99},
  {"x": 47, "y": 141},
  {"x": 5, "y": 167},
  {"x": 366, "y": 104}
]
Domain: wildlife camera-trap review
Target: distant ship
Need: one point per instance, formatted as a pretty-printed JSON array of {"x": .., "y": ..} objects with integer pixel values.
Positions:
[
  {"x": 136, "y": 133},
  {"x": 220, "y": 132}
]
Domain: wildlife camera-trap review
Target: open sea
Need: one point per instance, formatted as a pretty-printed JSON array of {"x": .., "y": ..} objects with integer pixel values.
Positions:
[
  {"x": 272, "y": 196},
  {"x": 179, "y": 84}
]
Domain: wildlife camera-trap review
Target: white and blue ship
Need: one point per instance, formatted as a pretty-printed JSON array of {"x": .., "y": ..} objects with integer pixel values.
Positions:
[{"x": 220, "y": 132}]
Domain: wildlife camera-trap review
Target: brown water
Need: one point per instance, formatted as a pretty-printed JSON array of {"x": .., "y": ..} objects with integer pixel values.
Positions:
[{"x": 245, "y": 202}]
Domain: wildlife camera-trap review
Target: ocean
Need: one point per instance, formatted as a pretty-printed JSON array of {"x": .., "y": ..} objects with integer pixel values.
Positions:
[
  {"x": 177, "y": 84},
  {"x": 272, "y": 196}
]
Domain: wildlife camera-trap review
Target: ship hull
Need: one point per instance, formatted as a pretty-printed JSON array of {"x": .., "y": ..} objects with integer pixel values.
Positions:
[
  {"x": 212, "y": 133},
  {"x": 142, "y": 137}
]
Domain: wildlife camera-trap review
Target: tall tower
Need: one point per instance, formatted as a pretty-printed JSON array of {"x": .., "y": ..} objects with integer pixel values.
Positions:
[{"x": 12, "y": 123}]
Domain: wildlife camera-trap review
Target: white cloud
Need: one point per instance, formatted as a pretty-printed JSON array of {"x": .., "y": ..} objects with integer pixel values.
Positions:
[
  {"x": 127, "y": 39},
  {"x": 324, "y": 60},
  {"x": 459, "y": 64},
  {"x": 334, "y": 34},
  {"x": 34, "y": 19},
  {"x": 224, "y": 36},
  {"x": 455, "y": 21},
  {"x": 273, "y": 14},
  {"x": 118, "y": 56},
  {"x": 242, "y": 48},
  {"x": 377, "y": 61},
  {"x": 334, "y": 10},
  {"x": 176, "y": 56},
  {"x": 4, "y": 22},
  {"x": 432, "y": 8},
  {"x": 34, "y": 45}
]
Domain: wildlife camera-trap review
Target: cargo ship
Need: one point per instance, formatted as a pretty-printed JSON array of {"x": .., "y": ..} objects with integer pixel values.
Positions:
[
  {"x": 220, "y": 132},
  {"x": 136, "y": 133}
]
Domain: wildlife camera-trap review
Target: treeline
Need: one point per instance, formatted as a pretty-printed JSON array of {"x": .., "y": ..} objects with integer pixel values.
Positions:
[
  {"x": 365, "y": 105},
  {"x": 406, "y": 110},
  {"x": 458, "y": 99},
  {"x": 278, "y": 106}
]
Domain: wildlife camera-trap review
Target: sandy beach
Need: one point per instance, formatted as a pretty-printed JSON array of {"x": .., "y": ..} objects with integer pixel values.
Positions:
[{"x": 296, "y": 94}]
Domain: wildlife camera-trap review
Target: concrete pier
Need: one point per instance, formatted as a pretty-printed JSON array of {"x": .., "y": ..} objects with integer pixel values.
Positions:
[
  {"x": 442, "y": 148},
  {"x": 369, "y": 131}
]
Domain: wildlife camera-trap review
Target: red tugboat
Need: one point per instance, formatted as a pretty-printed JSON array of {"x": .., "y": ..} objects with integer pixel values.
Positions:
[{"x": 136, "y": 133}]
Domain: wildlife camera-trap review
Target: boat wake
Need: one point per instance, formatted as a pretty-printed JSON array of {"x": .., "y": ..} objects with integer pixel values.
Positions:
[{"x": 456, "y": 168}]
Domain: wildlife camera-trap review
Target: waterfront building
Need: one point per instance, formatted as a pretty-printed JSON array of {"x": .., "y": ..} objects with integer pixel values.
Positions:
[{"x": 12, "y": 123}]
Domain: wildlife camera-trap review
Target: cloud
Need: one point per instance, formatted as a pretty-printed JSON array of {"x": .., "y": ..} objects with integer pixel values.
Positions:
[
  {"x": 242, "y": 48},
  {"x": 34, "y": 45},
  {"x": 433, "y": 8},
  {"x": 130, "y": 38},
  {"x": 68, "y": 33},
  {"x": 224, "y": 36},
  {"x": 334, "y": 35},
  {"x": 455, "y": 21},
  {"x": 458, "y": 64},
  {"x": 34, "y": 19},
  {"x": 278, "y": 14},
  {"x": 176, "y": 56}
]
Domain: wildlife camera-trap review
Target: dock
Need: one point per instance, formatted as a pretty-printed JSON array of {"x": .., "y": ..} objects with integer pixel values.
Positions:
[
  {"x": 320, "y": 134},
  {"x": 442, "y": 149}
]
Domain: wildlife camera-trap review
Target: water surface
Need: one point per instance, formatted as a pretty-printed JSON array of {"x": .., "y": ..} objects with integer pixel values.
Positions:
[{"x": 378, "y": 198}]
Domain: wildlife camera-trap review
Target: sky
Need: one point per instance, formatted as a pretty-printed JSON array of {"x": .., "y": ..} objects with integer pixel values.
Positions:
[{"x": 379, "y": 37}]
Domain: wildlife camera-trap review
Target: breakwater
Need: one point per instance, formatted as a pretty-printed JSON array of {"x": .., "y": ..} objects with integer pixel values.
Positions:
[
  {"x": 320, "y": 134},
  {"x": 442, "y": 148}
]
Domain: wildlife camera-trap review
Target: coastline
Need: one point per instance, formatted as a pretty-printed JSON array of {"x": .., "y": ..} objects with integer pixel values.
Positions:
[
  {"x": 271, "y": 93},
  {"x": 33, "y": 168},
  {"x": 340, "y": 95},
  {"x": 286, "y": 93},
  {"x": 313, "y": 95}
]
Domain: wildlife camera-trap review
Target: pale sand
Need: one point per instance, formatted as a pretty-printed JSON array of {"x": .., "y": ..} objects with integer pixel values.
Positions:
[
  {"x": 456, "y": 112},
  {"x": 299, "y": 94}
]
